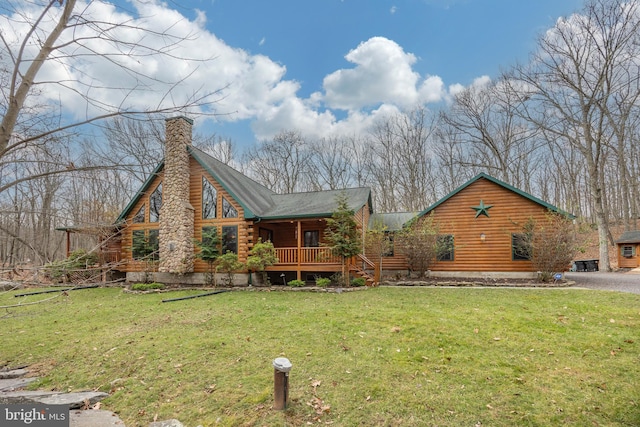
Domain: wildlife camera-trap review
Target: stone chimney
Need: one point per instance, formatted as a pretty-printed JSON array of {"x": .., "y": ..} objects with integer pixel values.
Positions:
[{"x": 176, "y": 213}]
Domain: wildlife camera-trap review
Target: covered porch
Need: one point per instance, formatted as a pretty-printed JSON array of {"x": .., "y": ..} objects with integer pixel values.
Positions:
[{"x": 302, "y": 249}]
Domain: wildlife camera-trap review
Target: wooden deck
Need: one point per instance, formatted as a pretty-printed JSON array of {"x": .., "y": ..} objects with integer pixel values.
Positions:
[{"x": 306, "y": 259}]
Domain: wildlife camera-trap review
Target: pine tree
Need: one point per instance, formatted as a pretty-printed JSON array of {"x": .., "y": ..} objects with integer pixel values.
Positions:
[
  {"x": 342, "y": 233},
  {"x": 209, "y": 250}
]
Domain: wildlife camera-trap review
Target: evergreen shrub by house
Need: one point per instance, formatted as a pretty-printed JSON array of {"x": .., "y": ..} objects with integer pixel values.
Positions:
[
  {"x": 358, "y": 281},
  {"x": 323, "y": 282},
  {"x": 296, "y": 283}
]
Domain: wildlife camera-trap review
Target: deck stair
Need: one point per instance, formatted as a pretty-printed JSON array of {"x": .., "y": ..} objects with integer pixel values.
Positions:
[{"x": 362, "y": 268}]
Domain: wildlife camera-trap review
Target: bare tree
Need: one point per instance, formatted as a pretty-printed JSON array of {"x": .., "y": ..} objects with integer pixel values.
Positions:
[
  {"x": 218, "y": 147},
  {"x": 329, "y": 168},
  {"x": 280, "y": 164},
  {"x": 360, "y": 159},
  {"x": 383, "y": 167},
  {"x": 47, "y": 33},
  {"x": 401, "y": 164},
  {"x": 493, "y": 136},
  {"x": 132, "y": 146},
  {"x": 46, "y": 47},
  {"x": 572, "y": 83}
]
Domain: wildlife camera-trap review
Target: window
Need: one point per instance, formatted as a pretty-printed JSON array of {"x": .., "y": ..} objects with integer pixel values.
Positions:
[
  {"x": 230, "y": 239},
  {"x": 145, "y": 245},
  {"x": 265, "y": 235},
  {"x": 139, "y": 217},
  {"x": 155, "y": 203},
  {"x": 311, "y": 239},
  {"x": 154, "y": 244},
  {"x": 209, "y": 199},
  {"x": 444, "y": 247},
  {"x": 137, "y": 245},
  {"x": 209, "y": 234},
  {"x": 387, "y": 249},
  {"x": 520, "y": 247},
  {"x": 228, "y": 211},
  {"x": 628, "y": 251}
]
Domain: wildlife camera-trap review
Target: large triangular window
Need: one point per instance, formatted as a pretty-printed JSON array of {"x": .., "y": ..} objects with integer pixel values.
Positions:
[
  {"x": 209, "y": 199},
  {"x": 139, "y": 217},
  {"x": 228, "y": 211},
  {"x": 155, "y": 203}
]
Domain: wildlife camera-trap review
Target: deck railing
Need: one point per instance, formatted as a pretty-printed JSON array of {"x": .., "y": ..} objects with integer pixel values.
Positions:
[
  {"x": 109, "y": 257},
  {"x": 319, "y": 255}
]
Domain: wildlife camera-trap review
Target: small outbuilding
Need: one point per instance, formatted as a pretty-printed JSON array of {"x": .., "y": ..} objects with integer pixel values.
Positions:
[{"x": 628, "y": 248}]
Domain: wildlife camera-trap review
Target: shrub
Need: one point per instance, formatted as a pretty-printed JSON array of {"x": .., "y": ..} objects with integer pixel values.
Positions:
[
  {"x": 358, "y": 281},
  {"x": 229, "y": 264},
  {"x": 323, "y": 281},
  {"x": 296, "y": 283},
  {"x": 261, "y": 256},
  {"x": 77, "y": 260},
  {"x": 146, "y": 286},
  {"x": 550, "y": 244},
  {"x": 209, "y": 252}
]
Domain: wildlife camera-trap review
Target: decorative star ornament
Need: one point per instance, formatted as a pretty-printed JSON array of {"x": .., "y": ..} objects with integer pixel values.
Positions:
[{"x": 482, "y": 209}]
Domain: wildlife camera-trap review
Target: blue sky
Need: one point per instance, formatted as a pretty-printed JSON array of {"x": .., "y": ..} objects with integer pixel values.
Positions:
[
  {"x": 322, "y": 67},
  {"x": 456, "y": 40}
]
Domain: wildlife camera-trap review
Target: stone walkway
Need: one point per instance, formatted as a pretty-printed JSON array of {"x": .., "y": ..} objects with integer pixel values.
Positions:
[{"x": 13, "y": 382}]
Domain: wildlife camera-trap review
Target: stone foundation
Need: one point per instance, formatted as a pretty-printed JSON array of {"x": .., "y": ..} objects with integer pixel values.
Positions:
[{"x": 190, "y": 279}]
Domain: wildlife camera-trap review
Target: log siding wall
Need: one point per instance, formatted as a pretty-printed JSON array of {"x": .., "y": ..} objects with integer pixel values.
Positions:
[
  {"x": 508, "y": 214},
  {"x": 629, "y": 262}
]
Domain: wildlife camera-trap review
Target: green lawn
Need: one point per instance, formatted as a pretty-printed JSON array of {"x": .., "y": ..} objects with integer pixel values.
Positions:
[{"x": 375, "y": 357}]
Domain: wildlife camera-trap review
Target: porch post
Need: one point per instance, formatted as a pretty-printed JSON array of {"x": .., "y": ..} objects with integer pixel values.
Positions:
[
  {"x": 68, "y": 243},
  {"x": 299, "y": 233}
]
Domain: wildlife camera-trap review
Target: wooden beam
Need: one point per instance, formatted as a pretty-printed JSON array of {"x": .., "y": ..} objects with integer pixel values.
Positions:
[
  {"x": 68, "y": 243},
  {"x": 299, "y": 233}
]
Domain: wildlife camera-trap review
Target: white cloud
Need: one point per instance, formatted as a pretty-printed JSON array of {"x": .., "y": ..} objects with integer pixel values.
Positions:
[
  {"x": 383, "y": 73},
  {"x": 382, "y": 80},
  {"x": 194, "y": 58}
]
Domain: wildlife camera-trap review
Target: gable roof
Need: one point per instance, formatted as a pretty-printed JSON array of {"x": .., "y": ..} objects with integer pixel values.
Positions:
[
  {"x": 258, "y": 201},
  {"x": 253, "y": 197},
  {"x": 316, "y": 203},
  {"x": 140, "y": 193},
  {"x": 501, "y": 184},
  {"x": 629, "y": 237},
  {"x": 391, "y": 221}
]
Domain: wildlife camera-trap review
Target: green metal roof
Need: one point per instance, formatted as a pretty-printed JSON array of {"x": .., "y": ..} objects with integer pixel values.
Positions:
[
  {"x": 253, "y": 197},
  {"x": 391, "y": 221},
  {"x": 315, "y": 203},
  {"x": 629, "y": 237},
  {"x": 500, "y": 183},
  {"x": 257, "y": 200}
]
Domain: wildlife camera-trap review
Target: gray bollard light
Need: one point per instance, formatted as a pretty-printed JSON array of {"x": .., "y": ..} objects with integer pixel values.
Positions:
[{"x": 281, "y": 366}]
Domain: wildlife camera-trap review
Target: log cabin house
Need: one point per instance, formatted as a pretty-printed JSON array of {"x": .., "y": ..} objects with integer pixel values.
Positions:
[
  {"x": 190, "y": 191},
  {"x": 482, "y": 222},
  {"x": 629, "y": 249}
]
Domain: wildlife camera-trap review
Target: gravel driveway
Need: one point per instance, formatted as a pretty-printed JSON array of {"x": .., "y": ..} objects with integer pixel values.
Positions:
[{"x": 621, "y": 282}]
